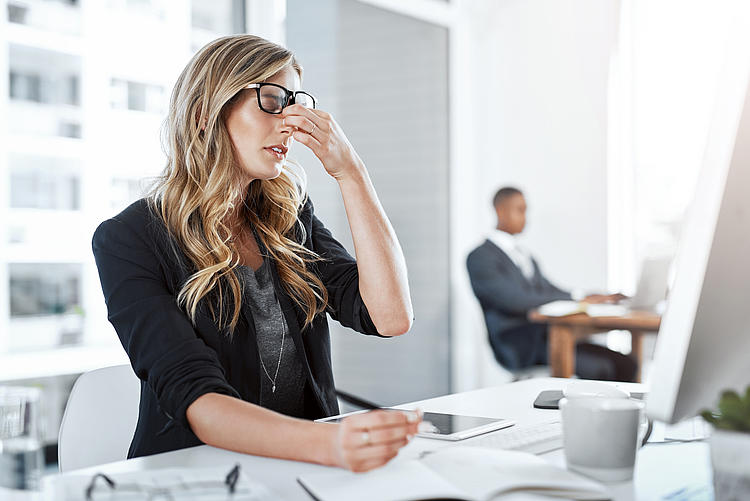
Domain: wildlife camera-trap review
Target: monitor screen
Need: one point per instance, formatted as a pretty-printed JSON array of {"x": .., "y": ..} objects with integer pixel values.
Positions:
[{"x": 704, "y": 340}]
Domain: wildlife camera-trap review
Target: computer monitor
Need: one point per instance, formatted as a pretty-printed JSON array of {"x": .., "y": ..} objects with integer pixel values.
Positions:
[{"x": 703, "y": 345}]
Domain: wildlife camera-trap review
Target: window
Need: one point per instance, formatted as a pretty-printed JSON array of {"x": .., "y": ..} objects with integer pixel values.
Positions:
[
  {"x": 44, "y": 187},
  {"x": 44, "y": 89},
  {"x": 44, "y": 289},
  {"x": 61, "y": 16},
  {"x": 663, "y": 116},
  {"x": 17, "y": 13},
  {"x": 150, "y": 8},
  {"x": 25, "y": 87},
  {"x": 124, "y": 193},
  {"x": 218, "y": 16},
  {"x": 71, "y": 158},
  {"x": 208, "y": 19},
  {"x": 137, "y": 96},
  {"x": 45, "y": 305},
  {"x": 69, "y": 129}
]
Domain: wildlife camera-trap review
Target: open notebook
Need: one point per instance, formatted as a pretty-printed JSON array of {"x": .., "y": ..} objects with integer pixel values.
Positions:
[{"x": 464, "y": 473}]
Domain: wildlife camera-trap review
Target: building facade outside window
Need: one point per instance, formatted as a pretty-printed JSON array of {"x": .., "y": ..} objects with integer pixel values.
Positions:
[
  {"x": 83, "y": 100},
  {"x": 85, "y": 93}
]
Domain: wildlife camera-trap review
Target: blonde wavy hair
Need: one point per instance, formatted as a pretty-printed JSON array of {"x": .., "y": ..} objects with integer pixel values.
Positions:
[{"x": 201, "y": 184}]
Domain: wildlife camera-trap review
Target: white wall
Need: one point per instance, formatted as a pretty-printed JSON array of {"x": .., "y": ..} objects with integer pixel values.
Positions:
[{"x": 539, "y": 121}]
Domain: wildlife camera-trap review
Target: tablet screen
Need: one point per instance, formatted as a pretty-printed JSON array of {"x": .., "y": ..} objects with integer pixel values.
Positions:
[
  {"x": 452, "y": 426},
  {"x": 448, "y": 424}
]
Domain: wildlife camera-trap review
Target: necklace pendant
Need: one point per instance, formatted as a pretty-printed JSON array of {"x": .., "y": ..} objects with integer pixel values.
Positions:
[{"x": 273, "y": 389}]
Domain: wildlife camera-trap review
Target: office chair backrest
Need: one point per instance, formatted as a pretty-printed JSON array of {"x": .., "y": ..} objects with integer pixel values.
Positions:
[
  {"x": 490, "y": 372},
  {"x": 99, "y": 419}
]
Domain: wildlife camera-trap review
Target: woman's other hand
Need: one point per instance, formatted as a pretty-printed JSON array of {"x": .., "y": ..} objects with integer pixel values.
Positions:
[
  {"x": 317, "y": 130},
  {"x": 371, "y": 439}
]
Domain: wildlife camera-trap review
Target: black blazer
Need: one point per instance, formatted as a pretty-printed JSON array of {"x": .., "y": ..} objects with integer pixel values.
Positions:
[
  {"x": 505, "y": 294},
  {"x": 142, "y": 270}
]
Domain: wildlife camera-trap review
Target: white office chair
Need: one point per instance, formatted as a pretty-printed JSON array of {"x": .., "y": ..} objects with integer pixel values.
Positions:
[
  {"x": 492, "y": 373},
  {"x": 99, "y": 419}
]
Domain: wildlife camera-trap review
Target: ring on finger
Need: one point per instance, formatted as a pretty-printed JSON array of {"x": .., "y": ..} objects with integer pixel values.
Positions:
[
  {"x": 313, "y": 129},
  {"x": 366, "y": 437}
]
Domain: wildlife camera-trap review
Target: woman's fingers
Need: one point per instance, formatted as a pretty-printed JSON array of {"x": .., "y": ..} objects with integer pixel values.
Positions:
[
  {"x": 390, "y": 434},
  {"x": 379, "y": 427},
  {"x": 371, "y": 439},
  {"x": 302, "y": 123},
  {"x": 383, "y": 418},
  {"x": 318, "y": 130},
  {"x": 384, "y": 450},
  {"x": 316, "y": 125},
  {"x": 306, "y": 139},
  {"x": 373, "y": 456},
  {"x": 317, "y": 117},
  {"x": 362, "y": 438}
]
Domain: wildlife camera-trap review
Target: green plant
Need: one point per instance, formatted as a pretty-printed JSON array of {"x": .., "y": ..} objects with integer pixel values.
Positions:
[{"x": 734, "y": 412}]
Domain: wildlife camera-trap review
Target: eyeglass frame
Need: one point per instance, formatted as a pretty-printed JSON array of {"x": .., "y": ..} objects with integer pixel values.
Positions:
[
  {"x": 291, "y": 96},
  {"x": 155, "y": 492}
]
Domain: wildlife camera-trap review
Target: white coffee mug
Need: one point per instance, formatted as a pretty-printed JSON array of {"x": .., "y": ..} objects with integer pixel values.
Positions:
[{"x": 601, "y": 436}]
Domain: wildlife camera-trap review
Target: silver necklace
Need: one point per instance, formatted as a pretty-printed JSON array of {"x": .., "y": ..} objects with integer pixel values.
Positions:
[{"x": 281, "y": 352}]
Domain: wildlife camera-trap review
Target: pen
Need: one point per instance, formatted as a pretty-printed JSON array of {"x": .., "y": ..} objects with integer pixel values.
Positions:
[
  {"x": 366, "y": 404},
  {"x": 356, "y": 401}
]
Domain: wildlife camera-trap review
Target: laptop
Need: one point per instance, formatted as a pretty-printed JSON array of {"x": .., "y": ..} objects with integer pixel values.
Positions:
[
  {"x": 653, "y": 284},
  {"x": 651, "y": 291}
]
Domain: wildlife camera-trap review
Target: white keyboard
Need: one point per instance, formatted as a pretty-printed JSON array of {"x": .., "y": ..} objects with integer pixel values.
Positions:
[{"x": 533, "y": 438}]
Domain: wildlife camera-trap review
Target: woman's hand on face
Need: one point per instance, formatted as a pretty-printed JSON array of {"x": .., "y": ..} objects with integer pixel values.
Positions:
[
  {"x": 371, "y": 439},
  {"x": 317, "y": 130}
]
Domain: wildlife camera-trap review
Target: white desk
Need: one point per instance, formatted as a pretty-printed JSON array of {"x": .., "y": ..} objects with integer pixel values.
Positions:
[{"x": 660, "y": 469}]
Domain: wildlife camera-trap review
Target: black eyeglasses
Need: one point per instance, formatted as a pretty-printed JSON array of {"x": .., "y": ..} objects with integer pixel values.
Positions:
[
  {"x": 150, "y": 492},
  {"x": 273, "y": 98}
]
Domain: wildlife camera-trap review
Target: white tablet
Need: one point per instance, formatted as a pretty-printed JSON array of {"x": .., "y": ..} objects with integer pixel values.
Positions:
[
  {"x": 457, "y": 427},
  {"x": 453, "y": 426}
]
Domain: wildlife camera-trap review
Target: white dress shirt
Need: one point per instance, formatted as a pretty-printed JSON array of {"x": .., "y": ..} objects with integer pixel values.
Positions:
[{"x": 520, "y": 256}]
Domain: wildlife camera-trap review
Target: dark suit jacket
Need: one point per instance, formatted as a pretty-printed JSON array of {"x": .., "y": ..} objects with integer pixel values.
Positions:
[
  {"x": 505, "y": 294},
  {"x": 142, "y": 270}
]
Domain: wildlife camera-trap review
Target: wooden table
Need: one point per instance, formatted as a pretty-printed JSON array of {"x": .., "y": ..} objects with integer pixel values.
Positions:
[{"x": 565, "y": 332}]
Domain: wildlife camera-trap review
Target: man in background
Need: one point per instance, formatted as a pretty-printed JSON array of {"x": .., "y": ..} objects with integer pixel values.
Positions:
[{"x": 508, "y": 283}]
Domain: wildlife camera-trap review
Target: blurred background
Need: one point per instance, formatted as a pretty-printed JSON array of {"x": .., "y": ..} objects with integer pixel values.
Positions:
[{"x": 597, "y": 109}]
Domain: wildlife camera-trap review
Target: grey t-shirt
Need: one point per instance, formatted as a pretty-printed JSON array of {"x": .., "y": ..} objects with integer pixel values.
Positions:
[{"x": 270, "y": 326}]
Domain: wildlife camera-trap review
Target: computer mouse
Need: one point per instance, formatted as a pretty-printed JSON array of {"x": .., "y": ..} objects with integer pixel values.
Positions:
[{"x": 593, "y": 389}]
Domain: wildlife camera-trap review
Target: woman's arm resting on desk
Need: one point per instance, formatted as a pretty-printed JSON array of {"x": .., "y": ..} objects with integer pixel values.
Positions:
[
  {"x": 383, "y": 283},
  {"x": 229, "y": 423}
]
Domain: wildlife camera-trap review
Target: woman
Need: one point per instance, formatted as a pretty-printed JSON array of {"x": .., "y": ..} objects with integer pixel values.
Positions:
[{"x": 218, "y": 282}]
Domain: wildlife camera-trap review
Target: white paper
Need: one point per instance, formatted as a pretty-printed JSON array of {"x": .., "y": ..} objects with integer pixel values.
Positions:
[
  {"x": 457, "y": 472},
  {"x": 483, "y": 473},
  {"x": 606, "y": 310},
  {"x": 561, "y": 308},
  {"x": 396, "y": 481}
]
